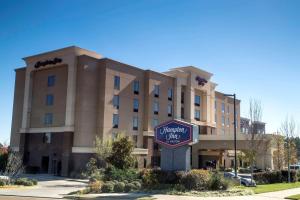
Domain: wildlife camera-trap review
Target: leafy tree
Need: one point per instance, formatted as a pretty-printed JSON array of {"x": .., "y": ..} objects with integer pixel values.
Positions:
[{"x": 120, "y": 156}]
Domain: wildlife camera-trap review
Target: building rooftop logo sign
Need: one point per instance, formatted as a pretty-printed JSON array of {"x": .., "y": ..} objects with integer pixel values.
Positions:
[
  {"x": 47, "y": 62},
  {"x": 201, "y": 81},
  {"x": 174, "y": 133}
]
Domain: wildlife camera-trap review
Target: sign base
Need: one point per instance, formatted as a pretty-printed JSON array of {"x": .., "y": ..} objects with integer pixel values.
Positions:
[{"x": 176, "y": 159}]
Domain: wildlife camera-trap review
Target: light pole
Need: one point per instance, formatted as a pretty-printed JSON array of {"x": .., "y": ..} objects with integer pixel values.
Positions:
[{"x": 234, "y": 123}]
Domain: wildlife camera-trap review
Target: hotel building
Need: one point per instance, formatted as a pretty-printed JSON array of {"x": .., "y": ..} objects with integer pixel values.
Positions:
[{"x": 65, "y": 98}]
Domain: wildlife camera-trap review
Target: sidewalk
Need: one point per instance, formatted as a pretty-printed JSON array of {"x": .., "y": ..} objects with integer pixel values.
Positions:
[{"x": 279, "y": 195}]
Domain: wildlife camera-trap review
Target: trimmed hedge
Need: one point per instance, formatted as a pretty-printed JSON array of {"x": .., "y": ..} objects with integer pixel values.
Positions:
[
  {"x": 113, "y": 173},
  {"x": 196, "y": 180},
  {"x": 153, "y": 177},
  {"x": 25, "y": 182},
  {"x": 274, "y": 177}
]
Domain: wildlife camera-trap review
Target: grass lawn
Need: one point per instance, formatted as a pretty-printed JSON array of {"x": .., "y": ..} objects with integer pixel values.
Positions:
[
  {"x": 294, "y": 197},
  {"x": 275, "y": 187}
]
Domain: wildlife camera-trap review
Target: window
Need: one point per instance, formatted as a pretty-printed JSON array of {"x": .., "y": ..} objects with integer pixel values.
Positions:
[
  {"x": 135, "y": 105},
  {"x": 223, "y": 121},
  {"x": 223, "y": 107},
  {"x": 197, "y": 100},
  {"x": 136, "y": 87},
  {"x": 48, "y": 119},
  {"x": 135, "y": 140},
  {"x": 156, "y": 90},
  {"x": 170, "y": 94},
  {"x": 135, "y": 123},
  {"x": 114, "y": 136},
  {"x": 155, "y": 108},
  {"x": 228, "y": 121},
  {"x": 182, "y": 113},
  {"x": 47, "y": 138},
  {"x": 154, "y": 123},
  {"x": 182, "y": 97},
  {"x": 115, "y": 120},
  {"x": 117, "y": 82},
  {"x": 216, "y": 117},
  {"x": 216, "y": 105},
  {"x": 197, "y": 115},
  {"x": 51, "y": 80},
  {"x": 228, "y": 109},
  {"x": 169, "y": 110},
  {"x": 116, "y": 101},
  {"x": 49, "y": 99}
]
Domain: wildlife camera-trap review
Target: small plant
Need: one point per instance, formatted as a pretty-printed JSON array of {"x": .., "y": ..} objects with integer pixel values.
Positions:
[
  {"x": 217, "y": 182},
  {"x": 108, "y": 187},
  {"x": 137, "y": 185},
  {"x": 129, "y": 187},
  {"x": 95, "y": 186},
  {"x": 119, "y": 187},
  {"x": 25, "y": 182}
]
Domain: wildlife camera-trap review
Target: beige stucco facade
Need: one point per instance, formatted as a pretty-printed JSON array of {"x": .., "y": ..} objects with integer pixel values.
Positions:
[{"x": 83, "y": 107}]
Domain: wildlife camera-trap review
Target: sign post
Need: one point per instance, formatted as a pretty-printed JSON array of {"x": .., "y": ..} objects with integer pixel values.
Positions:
[{"x": 175, "y": 138}]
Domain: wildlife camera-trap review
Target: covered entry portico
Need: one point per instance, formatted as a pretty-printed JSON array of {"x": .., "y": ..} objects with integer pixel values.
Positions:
[{"x": 211, "y": 149}]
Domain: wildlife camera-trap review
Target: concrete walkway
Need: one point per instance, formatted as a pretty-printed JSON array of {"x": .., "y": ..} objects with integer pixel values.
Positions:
[
  {"x": 48, "y": 186},
  {"x": 280, "y": 195}
]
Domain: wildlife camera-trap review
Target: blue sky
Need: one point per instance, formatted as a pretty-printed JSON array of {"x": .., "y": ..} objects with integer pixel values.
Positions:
[{"x": 252, "y": 47}]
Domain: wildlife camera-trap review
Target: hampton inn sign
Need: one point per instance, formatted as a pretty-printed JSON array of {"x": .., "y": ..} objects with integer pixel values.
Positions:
[
  {"x": 175, "y": 137},
  {"x": 174, "y": 133}
]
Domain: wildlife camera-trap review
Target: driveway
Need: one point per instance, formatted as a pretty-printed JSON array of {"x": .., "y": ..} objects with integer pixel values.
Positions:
[{"x": 48, "y": 186}]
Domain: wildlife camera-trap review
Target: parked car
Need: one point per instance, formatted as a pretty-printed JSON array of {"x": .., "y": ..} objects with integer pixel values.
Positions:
[
  {"x": 295, "y": 167},
  {"x": 244, "y": 179}
]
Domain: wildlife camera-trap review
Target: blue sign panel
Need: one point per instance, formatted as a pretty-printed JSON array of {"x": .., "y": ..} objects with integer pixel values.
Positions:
[{"x": 173, "y": 133}]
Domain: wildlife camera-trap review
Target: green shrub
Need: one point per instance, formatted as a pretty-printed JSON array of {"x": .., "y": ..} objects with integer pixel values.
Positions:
[
  {"x": 196, "y": 180},
  {"x": 152, "y": 177},
  {"x": 274, "y": 177},
  {"x": 108, "y": 187},
  {"x": 25, "y": 182},
  {"x": 137, "y": 185},
  {"x": 129, "y": 187},
  {"x": 97, "y": 175},
  {"x": 121, "y": 156},
  {"x": 284, "y": 174},
  {"x": 112, "y": 173},
  {"x": 217, "y": 182},
  {"x": 3, "y": 182},
  {"x": 119, "y": 187}
]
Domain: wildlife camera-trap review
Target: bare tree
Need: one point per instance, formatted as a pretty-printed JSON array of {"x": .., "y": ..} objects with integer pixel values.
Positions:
[
  {"x": 278, "y": 155},
  {"x": 257, "y": 142},
  {"x": 288, "y": 128}
]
